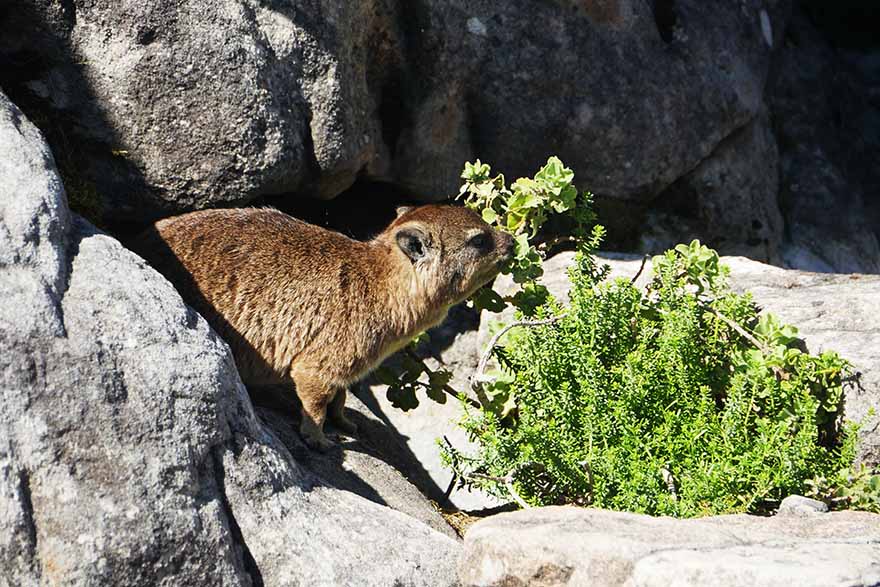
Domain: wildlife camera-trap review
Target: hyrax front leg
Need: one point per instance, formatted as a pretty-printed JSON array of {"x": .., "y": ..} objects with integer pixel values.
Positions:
[
  {"x": 337, "y": 416},
  {"x": 315, "y": 397}
]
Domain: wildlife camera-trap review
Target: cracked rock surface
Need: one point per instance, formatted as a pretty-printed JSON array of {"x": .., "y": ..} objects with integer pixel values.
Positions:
[
  {"x": 574, "y": 546},
  {"x": 130, "y": 453},
  {"x": 740, "y": 123},
  {"x": 232, "y": 99}
]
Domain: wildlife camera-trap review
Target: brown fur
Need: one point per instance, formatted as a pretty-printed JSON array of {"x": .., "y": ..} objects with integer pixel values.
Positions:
[{"x": 303, "y": 305}]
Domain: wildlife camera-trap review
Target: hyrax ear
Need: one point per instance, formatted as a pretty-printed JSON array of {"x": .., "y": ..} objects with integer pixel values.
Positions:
[
  {"x": 401, "y": 210},
  {"x": 412, "y": 242}
]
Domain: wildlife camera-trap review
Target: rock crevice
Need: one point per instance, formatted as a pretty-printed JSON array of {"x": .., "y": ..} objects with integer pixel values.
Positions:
[{"x": 249, "y": 564}]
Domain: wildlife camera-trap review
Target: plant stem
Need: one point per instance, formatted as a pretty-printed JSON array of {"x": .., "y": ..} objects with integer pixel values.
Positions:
[{"x": 509, "y": 478}]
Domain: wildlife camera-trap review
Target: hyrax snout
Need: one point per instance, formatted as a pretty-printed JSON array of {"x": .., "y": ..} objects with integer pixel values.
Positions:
[{"x": 306, "y": 306}]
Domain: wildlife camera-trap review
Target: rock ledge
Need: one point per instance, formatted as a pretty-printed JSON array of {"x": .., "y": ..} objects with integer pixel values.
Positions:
[{"x": 573, "y": 546}]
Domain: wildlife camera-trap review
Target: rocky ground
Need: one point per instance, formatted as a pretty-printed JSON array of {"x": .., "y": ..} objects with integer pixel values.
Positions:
[{"x": 572, "y": 546}]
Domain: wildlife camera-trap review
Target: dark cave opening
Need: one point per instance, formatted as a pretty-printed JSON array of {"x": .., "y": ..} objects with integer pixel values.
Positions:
[
  {"x": 359, "y": 212},
  {"x": 848, "y": 24}
]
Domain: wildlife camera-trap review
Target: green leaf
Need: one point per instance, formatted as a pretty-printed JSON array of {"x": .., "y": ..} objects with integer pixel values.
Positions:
[
  {"x": 437, "y": 380},
  {"x": 386, "y": 376},
  {"x": 486, "y": 298},
  {"x": 523, "y": 247},
  {"x": 402, "y": 397},
  {"x": 530, "y": 298}
]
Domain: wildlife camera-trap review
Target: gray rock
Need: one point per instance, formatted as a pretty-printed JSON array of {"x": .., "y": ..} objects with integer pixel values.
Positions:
[
  {"x": 812, "y": 167},
  {"x": 232, "y": 99},
  {"x": 421, "y": 430},
  {"x": 368, "y": 465},
  {"x": 33, "y": 226},
  {"x": 106, "y": 450},
  {"x": 129, "y": 450},
  {"x": 730, "y": 199},
  {"x": 800, "y": 505},
  {"x": 211, "y": 103},
  {"x": 658, "y": 106},
  {"x": 689, "y": 65},
  {"x": 574, "y": 546},
  {"x": 828, "y": 131},
  {"x": 34, "y": 222},
  {"x": 300, "y": 531}
]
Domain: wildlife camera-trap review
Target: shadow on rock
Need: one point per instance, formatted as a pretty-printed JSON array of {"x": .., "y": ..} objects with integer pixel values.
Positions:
[{"x": 369, "y": 466}]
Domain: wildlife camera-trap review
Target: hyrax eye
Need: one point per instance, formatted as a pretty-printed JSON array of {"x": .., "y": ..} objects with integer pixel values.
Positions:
[{"x": 482, "y": 242}]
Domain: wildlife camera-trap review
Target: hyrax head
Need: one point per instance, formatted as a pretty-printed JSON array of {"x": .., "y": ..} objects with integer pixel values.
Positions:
[{"x": 452, "y": 250}]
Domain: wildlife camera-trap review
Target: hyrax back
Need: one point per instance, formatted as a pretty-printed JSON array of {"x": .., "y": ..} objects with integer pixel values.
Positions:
[{"x": 303, "y": 305}]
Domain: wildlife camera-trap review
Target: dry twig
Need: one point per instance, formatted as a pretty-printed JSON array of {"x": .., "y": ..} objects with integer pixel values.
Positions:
[
  {"x": 454, "y": 456},
  {"x": 669, "y": 479},
  {"x": 742, "y": 331},
  {"x": 509, "y": 479},
  {"x": 548, "y": 245},
  {"x": 476, "y": 378},
  {"x": 641, "y": 268}
]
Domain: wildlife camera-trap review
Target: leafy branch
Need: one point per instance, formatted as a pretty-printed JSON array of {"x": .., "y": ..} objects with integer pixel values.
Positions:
[
  {"x": 521, "y": 210},
  {"x": 477, "y": 377}
]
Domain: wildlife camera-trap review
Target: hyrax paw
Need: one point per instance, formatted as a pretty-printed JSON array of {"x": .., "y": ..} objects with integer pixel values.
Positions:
[
  {"x": 318, "y": 443},
  {"x": 344, "y": 425}
]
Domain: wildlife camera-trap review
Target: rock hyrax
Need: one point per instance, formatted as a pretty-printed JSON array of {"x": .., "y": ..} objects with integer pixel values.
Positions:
[{"x": 303, "y": 305}]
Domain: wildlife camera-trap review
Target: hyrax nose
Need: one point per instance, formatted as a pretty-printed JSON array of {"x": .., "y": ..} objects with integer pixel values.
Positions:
[{"x": 506, "y": 245}]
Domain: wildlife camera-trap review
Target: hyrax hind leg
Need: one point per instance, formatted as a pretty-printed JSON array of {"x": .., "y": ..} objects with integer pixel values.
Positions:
[
  {"x": 315, "y": 397},
  {"x": 336, "y": 413}
]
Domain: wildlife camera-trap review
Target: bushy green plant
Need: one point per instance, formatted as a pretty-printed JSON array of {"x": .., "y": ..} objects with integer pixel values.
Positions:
[{"x": 678, "y": 399}]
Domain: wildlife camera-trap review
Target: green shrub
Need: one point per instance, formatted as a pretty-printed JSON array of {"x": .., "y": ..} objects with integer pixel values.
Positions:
[{"x": 679, "y": 399}]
